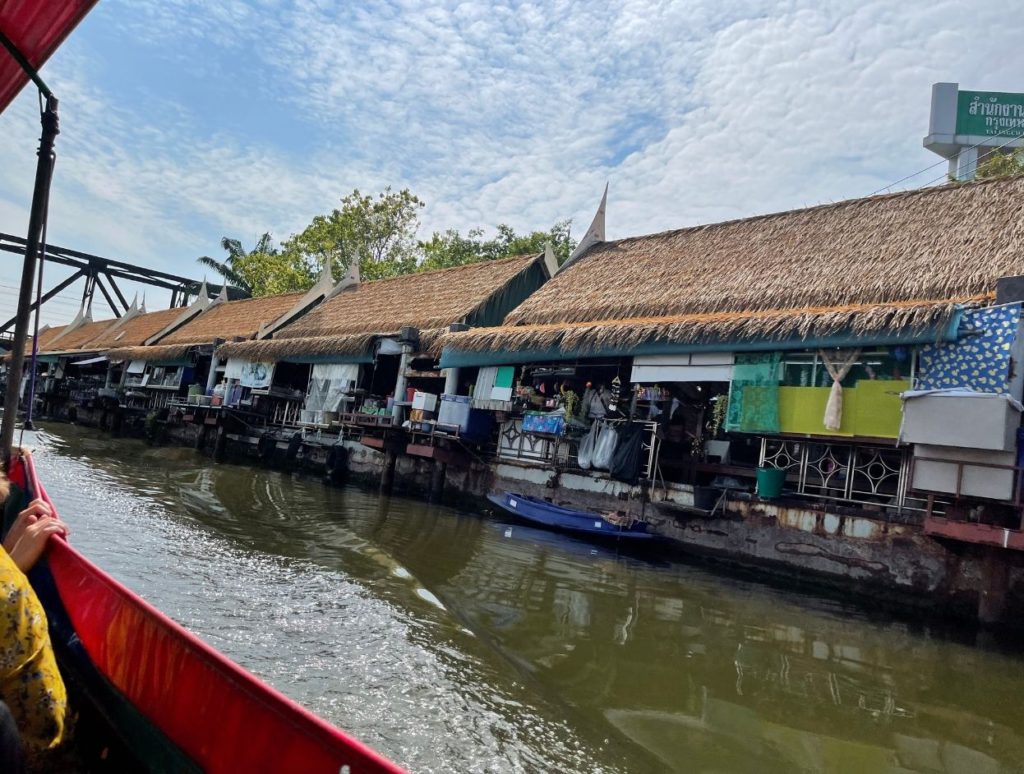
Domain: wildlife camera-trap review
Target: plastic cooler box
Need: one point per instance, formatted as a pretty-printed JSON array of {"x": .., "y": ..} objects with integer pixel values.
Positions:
[{"x": 457, "y": 411}]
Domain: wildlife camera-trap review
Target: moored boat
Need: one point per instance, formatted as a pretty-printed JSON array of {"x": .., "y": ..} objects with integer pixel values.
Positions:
[
  {"x": 537, "y": 511},
  {"x": 153, "y": 696}
]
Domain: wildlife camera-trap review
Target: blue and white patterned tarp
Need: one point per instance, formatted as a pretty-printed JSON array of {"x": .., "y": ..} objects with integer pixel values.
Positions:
[{"x": 979, "y": 359}]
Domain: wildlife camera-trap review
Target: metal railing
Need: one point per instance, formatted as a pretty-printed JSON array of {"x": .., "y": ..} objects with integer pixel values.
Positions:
[{"x": 848, "y": 473}]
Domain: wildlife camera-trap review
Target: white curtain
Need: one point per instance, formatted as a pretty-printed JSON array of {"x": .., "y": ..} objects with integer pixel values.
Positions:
[
  {"x": 328, "y": 384},
  {"x": 234, "y": 367},
  {"x": 837, "y": 369},
  {"x": 485, "y": 382}
]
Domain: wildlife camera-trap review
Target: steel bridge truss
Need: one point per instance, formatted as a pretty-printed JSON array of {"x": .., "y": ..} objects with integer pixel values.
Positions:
[{"x": 102, "y": 274}]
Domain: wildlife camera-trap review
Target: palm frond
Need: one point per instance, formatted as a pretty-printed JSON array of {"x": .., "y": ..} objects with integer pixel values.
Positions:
[{"x": 224, "y": 269}]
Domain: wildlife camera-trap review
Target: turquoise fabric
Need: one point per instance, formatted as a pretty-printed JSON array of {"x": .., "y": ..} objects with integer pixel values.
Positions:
[
  {"x": 979, "y": 359},
  {"x": 754, "y": 393}
]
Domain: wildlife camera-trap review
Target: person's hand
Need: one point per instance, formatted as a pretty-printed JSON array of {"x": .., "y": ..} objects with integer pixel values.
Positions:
[
  {"x": 32, "y": 543},
  {"x": 37, "y": 509}
]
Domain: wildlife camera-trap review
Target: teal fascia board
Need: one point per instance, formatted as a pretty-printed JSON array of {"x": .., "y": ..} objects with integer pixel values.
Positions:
[
  {"x": 44, "y": 359},
  {"x": 461, "y": 359},
  {"x": 329, "y": 359}
]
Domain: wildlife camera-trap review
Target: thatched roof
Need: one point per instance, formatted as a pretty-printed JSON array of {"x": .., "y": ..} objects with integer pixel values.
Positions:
[
  {"x": 135, "y": 331},
  {"x": 46, "y": 336},
  {"x": 156, "y": 352},
  {"x": 775, "y": 325},
  {"x": 232, "y": 320},
  {"x": 864, "y": 265},
  {"x": 275, "y": 350},
  {"x": 79, "y": 339},
  {"x": 425, "y": 300}
]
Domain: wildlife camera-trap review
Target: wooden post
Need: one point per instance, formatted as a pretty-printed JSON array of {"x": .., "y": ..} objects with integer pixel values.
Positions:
[
  {"x": 201, "y": 438},
  {"x": 995, "y": 581},
  {"x": 387, "y": 476},
  {"x": 437, "y": 476},
  {"x": 220, "y": 447}
]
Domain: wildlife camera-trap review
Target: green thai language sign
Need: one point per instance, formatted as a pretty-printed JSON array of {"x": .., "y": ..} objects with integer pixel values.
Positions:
[{"x": 990, "y": 113}]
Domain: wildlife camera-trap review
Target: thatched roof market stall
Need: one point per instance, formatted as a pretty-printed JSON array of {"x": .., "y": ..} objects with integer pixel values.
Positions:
[
  {"x": 879, "y": 268},
  {"x": 349, "y": 324},
  {"x": 803, "y": 323},
  {"x": 394, "y": 324}
]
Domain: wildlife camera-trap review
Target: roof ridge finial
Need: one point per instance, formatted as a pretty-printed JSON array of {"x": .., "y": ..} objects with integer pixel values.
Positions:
[
  {"x": 594, "y": 235},
  {"x": 550, "y": 260}
]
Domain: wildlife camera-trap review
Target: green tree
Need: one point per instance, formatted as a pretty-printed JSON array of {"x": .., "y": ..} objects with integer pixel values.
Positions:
[
  {"x": 379, "y": 232},
  {"x": 442, "y": 251},
  {"x": 450, "y": 248},
  {"x": 1001, "y": 165},
  {"x": 269, "y": 274},
  {"x": 262, "y": 271}
]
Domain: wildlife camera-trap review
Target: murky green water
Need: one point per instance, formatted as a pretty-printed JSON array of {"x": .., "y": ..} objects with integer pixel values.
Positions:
[{"x": 459, "y": 642}]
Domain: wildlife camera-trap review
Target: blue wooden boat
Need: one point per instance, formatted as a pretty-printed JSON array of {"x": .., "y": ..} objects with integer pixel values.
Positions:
[{"x": 537, "y": 511}]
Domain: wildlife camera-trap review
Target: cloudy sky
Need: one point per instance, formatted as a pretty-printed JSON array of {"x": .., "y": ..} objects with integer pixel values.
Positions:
[{"x": 183, "y": 121}]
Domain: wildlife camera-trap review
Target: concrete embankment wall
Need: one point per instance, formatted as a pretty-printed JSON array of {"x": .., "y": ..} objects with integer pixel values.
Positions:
[{"x": 822, "y": 547}]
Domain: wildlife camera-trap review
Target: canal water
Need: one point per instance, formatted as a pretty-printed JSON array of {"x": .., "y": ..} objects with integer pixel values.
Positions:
[{"x": 457, "y": 641}]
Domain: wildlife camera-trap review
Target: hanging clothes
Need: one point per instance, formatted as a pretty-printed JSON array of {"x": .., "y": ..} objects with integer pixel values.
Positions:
[
  {"x": 837, "y": 369},
  {"x": 627, "y": 462}
]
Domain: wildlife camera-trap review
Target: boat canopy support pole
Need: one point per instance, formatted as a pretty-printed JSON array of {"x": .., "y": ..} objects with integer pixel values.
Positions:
[{"x": 36, "y": 224}]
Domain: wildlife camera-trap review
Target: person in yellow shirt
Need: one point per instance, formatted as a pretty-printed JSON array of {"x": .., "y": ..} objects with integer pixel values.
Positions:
[{"x": 32, "y": 693}]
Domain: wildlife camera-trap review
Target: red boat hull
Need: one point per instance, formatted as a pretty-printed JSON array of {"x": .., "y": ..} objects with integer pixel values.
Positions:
[{"x": 218, "y": 715}]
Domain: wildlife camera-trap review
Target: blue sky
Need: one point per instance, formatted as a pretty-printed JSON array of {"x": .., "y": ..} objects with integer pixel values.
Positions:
[{"x": 183, "y": 121}]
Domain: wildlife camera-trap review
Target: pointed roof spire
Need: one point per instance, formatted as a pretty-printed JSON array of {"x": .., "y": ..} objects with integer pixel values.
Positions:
[
  {"x": 550, "y": 261},
  {"x": 193, "y": 310},
  {"x": 325, "y": 272},
  {"x": 323, "y": 289},
  {"x": 142, "y": 307},
  {"x": 351, "y": 278},
  {"x": 594, "y": 234},
  {"x": 130, "y": 314}
]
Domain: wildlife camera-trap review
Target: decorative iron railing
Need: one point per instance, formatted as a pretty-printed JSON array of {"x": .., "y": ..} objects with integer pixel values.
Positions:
[{"x": 877, "y": 476}]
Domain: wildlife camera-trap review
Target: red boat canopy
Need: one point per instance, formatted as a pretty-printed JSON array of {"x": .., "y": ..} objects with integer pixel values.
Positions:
[{"x": 36, "y": 28}]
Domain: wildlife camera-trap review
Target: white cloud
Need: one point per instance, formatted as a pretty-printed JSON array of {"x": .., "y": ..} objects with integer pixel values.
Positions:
[{"x": 512, "y": 113}]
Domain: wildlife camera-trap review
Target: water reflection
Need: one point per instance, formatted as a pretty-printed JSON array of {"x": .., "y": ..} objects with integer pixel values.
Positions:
[{"x": 458, "y": 641}]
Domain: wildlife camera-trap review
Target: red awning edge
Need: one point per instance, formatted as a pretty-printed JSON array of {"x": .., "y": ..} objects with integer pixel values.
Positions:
[{"x": 36, "y": 29}]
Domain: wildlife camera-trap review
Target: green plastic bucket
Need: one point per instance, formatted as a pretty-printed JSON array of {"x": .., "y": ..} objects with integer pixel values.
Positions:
[{"x": 769, "y": 482}]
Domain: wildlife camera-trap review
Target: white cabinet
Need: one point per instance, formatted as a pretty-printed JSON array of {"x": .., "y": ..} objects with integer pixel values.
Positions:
[{"x": 971, "y": 420}]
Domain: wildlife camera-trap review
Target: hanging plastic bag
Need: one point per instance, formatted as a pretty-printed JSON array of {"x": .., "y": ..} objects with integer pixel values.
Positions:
[
  {"x": 585, "y": 457},
  {"x": 605, "y": 449}
]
